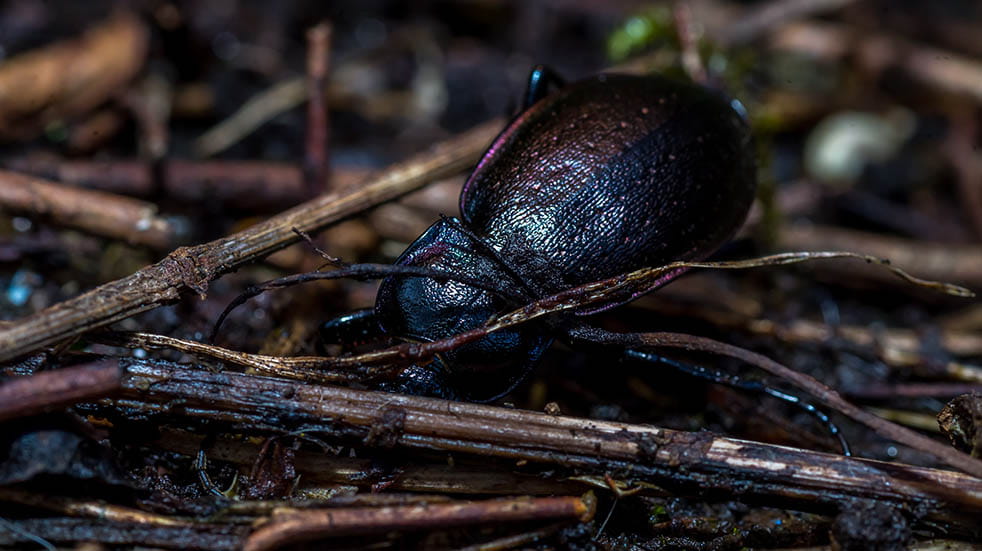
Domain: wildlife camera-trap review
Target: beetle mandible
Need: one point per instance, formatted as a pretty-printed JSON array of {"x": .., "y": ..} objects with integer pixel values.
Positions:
[{"x": 600, "y": 177}]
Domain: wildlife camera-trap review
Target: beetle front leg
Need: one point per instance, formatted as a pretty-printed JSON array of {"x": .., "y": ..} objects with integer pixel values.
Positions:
[{"x": 350, "y": 329}]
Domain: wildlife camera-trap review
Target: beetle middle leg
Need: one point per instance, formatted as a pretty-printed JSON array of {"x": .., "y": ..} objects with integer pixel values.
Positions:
[{"x": 734, "y": 381}]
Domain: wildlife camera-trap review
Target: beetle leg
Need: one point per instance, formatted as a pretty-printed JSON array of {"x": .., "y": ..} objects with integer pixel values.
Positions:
[
  {"x": 540, "y": 79},
  {"x": 728, "y": 379}
]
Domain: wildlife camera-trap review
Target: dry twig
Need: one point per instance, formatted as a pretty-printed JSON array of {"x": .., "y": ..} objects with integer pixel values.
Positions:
[
  {"x": 950, "y": 262},
  {"x": 194, "y": 267},
  {"x": 316, "y": 154},
  {"x": 97, "y": 212},
  {"x": 296, "y": 526},
  {"x": 52, "y": 390},
  {"x": 260, "y": 186},
  {"x": 254, "y": 113},
  {"x": 69, "y": 78},
  {"x": 678, "y": 461}
]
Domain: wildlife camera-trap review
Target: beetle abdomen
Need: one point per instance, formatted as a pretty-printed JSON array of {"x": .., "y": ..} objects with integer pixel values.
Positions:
[{"x": 611, "y": 174}]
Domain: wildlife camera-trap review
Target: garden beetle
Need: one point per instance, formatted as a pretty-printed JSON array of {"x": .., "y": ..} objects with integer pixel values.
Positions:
[{"x": 599, "y": 177}]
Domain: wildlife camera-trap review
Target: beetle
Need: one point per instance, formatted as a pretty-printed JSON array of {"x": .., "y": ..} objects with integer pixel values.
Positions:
[
  {"x": 593, "y": 195},
  {"x": 600, "y": 177}
]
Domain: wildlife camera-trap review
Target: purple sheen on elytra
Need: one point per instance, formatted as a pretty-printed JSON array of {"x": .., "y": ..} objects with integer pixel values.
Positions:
[{"x": 495, "y": 146}]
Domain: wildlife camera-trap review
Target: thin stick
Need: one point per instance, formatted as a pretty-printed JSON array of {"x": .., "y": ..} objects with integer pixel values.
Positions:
[
  {"x": 91, "y": 509},
  {"x": 689, "y": 43},
  {"x": 880, "y": 391},
  {"x": 895, "y": 347},
  {"x": 300, "y": 526},
  {"x": 258, "y": 186},
  {"x": 194, "y": 267},
  {"x": 943, "y": 70},
  {"x": 96, "y": 212},
  {"x": 952, "y": 262},
  {"x": 52, "y": 390},
  {"x": 71, "y": 77},
  {"x": 302, "y": 368},
  {"x": 678, "y": 461},
  {"x": 254, "y": 113},
  {"x": 316, "y": 156}
]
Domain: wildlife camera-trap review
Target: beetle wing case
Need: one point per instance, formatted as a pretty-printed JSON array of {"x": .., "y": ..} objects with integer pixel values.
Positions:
[{"x": 611, "y": 174}]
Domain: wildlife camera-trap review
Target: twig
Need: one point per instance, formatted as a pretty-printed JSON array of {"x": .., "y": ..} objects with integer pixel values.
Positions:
[
  {"x": 303, "y": 368},
  {"x": 967, "y": 162},
  {"x": 684, "y": 462},
  {"x": 297, "y": 526},
  {"x": 96, "y": 212},
  {"x": 194, "y": 267},
  {"x": 69, "y": 78},
  {"x": 254, "y": 113},
  {"x": 950, "y": 262},
  {"x": 150, "y": 103},
  {"x": 689, "y": 42},
  {"x": 316, "y": 153},
  {"x": 53, "y": 390},
  {"x": 90, "y": 509},
  {"x": 912, "y": 390},
  {"x": 210, "y": 537},
  {"x": 913, "y": 419},
  {"x": 251, "y": 185},
  {"x": 586, "y": 297}
]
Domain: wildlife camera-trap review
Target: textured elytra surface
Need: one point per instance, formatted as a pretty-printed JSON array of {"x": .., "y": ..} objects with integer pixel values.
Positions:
[{"x": 611, "y": 174}]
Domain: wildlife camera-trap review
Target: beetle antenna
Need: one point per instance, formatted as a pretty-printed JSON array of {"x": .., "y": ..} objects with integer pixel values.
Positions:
[
  {"x": 361, "y": 272},
  {"x": 734, "y": 381}
]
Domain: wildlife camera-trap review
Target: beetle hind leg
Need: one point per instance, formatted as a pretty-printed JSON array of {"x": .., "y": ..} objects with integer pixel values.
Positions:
[{"x": 733, "y": 381}]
